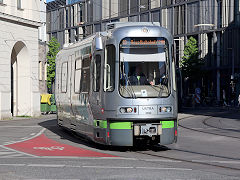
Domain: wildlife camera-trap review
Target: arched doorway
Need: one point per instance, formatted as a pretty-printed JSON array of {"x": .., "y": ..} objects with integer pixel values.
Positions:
[{"x": 20, "y": 81}]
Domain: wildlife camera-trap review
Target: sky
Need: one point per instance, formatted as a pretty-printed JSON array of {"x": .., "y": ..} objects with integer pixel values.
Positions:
[{"x": 49, "y": 0}]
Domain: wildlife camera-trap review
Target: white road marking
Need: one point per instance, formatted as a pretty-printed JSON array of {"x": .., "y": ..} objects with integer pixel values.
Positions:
[
  {"x": 17, "y": 151},
  {"x": 46, "y": 165},
  {"x": 13, "y": 155},
  {"x": 204, "y": 128},
  {"x": 13, "y": 142},
  {"x": 108, "y": 167},
  {"x": 160, "y": 160},
  {"x": 32, "y": 134},
  {"x": 216, "y": 128},
  {"x": 215, "y": 161},
  {"x": 38, "y": 134},
  {"x": 95, "y": 167},
  {"x": 12, "y": 164},
  {"x": 90, "y": 158},
  {"x": 6, "y": 152},
  {"x": 24, "y": 137},
  {"x": 121, "y": 158},
  {"x": 9, "y": 142},
  {"x": 52, "y": 148},
  {"x": 156, "y": 168}
]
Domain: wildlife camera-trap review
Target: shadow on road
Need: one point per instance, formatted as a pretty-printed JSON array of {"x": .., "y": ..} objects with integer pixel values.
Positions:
[
  {"x": 214, "y": 112},
  {"x": 63, "y": 133}
]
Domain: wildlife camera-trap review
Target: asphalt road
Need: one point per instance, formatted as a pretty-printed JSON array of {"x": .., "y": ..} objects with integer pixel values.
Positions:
[{"x": 208, "y": 147}]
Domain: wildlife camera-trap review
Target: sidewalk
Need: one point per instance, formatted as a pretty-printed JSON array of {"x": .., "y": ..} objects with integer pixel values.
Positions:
[
  {"x": 48, "y": 116},
  {"x": 184, "y": 116}
]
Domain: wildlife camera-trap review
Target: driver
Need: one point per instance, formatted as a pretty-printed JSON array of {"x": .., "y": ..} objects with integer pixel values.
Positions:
[{"x": 138, "y": 77}]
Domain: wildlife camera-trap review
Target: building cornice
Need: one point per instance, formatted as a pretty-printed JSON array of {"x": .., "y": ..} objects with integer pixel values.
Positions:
[{"x": 19, "y": 20}]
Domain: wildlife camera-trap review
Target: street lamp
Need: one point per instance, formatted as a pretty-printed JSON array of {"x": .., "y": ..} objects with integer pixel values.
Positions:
[{"x": 232, "y": 62}]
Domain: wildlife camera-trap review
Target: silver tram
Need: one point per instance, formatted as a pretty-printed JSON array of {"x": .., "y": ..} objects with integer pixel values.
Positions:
[{"x": 118, "y": 87}]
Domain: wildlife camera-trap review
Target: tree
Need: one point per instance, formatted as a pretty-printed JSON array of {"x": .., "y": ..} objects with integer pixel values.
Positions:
[
  {"x": 53, "y": 47},
  {"x": 191, "y": 64}
]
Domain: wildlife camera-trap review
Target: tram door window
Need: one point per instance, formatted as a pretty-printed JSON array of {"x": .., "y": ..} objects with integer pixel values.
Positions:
[
  {"x": 64, "y": 77},
  {"x": 174, "y": 69},
  {"x": 78, "y": 66},
  {"x": 109, "y": 68},
  {"x": 85, "y": 76},
  {"x": 97, "y": 73}
]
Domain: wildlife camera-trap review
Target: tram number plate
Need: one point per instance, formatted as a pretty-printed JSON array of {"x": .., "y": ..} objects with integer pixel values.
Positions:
[
  {"x": 147, "y": 109},
  {"x": 149, "y": 130}
]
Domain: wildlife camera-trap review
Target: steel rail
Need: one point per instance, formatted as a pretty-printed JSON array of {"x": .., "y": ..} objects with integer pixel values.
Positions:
[
  {"x": 188, "y": 161},
  {"x": 235, "y": 137}
]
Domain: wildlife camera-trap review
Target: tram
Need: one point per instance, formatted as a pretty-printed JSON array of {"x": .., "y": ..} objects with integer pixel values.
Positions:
[{"x": 118, "y": 87}]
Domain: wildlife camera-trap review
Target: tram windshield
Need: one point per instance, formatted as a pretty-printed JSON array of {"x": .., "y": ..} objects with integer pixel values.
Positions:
[{"x": 144, "y": 67}]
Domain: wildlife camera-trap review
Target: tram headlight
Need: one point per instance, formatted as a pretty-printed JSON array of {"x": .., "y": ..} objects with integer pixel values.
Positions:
[
  {"x": 129, "y": 110},
  {"x": 126, "y": 110},
  {"x": 122, "y": 110},
  {"x": 165, "y": 109}
]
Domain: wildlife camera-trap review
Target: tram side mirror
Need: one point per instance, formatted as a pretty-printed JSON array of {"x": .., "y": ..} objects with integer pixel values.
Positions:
[{"x": 99, "y": 43}]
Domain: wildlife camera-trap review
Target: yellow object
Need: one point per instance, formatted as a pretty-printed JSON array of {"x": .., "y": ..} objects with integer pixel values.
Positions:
[{"x": 45, "y": 98}]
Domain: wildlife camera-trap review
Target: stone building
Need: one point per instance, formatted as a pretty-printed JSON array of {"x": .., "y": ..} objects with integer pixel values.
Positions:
[
  {"x": 42, "y": 49},
  {"x": 19, "y": 58}
]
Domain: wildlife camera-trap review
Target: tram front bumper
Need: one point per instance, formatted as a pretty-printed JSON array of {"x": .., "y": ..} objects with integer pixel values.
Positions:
[
  {"x": 147, "y": 129},
  {"x": 124, "y": 133}
]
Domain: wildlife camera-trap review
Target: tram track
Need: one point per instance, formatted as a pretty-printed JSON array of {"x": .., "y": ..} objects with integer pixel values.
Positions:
[
  {"x": 206, "y": 132},
  {"x": 232, "y": 130},
  {"x": 188, "y": 161},
  {"x": 197, "y": 162}
]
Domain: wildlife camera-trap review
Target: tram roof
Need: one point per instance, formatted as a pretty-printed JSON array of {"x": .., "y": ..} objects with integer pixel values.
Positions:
[{"x": 109, "y": 28}]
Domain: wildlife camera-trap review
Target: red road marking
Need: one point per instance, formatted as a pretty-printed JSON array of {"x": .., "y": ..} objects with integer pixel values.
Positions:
[{"x": 42, "y": 146}]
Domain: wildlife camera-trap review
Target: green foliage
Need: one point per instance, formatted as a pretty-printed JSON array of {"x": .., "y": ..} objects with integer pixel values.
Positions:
[
  {"x": 53, "y": 47},
  {"x": 191, "y": 63}
]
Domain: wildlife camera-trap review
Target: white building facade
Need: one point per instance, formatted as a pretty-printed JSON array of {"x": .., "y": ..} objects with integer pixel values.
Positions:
[
  {"x": 42, "y": 36},
  {"x": 19, "y": 58}
]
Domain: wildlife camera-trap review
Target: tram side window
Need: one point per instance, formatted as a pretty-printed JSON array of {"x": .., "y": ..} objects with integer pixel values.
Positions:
[
  {"x": 109, "y": 69},
  {"x": 174, "y": 69},
  {"x": 64, "y": 77},
  {"x": 85, "y": 75},
  {"x": 78, "y": 65},
  {"x": 97, "y": 73}
]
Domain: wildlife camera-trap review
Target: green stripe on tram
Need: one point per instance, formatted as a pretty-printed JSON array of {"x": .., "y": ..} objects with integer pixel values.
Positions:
[
  {"x": 121, "y": 125},
  {"x": 102, "y": 123},
  {"x": 167, "y": 124}
]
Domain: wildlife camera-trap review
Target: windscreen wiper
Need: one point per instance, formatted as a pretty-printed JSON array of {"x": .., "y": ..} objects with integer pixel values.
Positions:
[{"x": 129, "y": 83}]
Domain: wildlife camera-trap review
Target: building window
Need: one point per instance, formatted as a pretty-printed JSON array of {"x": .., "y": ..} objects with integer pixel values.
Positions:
[
  {"x": 19, "y": 4},
  {"x": 133, "y": 6},
  {"x": 124, "y": 7},
  {"x": 133, "y": 19},
  {"x": 45, "y": 71},
  {"x": 144, "y": 17},
  {"x": 40, "y": 70},
  {"x": 144, "y": 5},
  {"x": 156, "y": 16}
]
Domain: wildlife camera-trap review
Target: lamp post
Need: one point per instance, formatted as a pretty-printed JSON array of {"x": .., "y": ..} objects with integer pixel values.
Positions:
[
  {"x": 233, "y": 65},
  {"x": 232, "y": 82}
]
